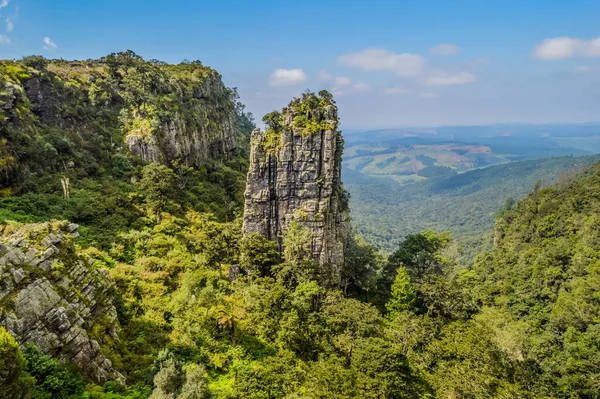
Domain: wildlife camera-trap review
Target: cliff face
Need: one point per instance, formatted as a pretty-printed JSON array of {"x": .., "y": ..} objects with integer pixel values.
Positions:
[
  {"x": 84, "y": 113},
  {"x": 295, "y": 174},
  {"x": 53, "y": 297},
  {"x": 210, "y": 136}
]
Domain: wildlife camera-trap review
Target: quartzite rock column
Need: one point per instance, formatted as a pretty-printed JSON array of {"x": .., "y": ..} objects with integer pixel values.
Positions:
[{"x": 295, "y": 174}]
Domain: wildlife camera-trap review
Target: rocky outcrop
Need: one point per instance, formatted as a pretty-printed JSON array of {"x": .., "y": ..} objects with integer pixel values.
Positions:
[
  {"x": 88, "y": 112},
  {"x": 54, "y": 298},
  {"x": 295, "y": 174},
  {"x": 210, "y": 136}
]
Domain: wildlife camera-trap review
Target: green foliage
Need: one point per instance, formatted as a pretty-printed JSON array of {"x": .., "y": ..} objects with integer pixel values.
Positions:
[
  {"x": 15, "y": 382},
  {"x": 53, "y": 379},
  {"x": 521, "y": 323},
  {"x": 308, "y": 115},
  {"x": 260, "y": 254},
  {"x": 362, "y": 263},
  {"x": 385, "y": 212},
  {"x": 421, "y": 254},
  {"x": 403, "y": 296},
  {"x": 543, "y": 271},
  {"x": 157, "y": 185},
  {"x": 297, "y": 243}
]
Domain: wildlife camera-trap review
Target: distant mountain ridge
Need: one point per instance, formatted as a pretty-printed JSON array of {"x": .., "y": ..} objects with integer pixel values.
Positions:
[{"x": 415, "y": 154}]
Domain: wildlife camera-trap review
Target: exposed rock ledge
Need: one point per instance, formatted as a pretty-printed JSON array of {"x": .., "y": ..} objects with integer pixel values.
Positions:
[{"x": 51, "y": 296}]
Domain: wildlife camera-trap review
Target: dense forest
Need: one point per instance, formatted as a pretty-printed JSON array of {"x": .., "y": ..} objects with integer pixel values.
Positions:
[
  {"x": 521, "y": 321},
  {"x": 465, "y": 204}
]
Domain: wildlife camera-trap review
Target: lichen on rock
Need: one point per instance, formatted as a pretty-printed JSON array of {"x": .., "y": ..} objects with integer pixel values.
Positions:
[
  {"x": 295, "y": 174},
  {"x": 52, "y": 296}
]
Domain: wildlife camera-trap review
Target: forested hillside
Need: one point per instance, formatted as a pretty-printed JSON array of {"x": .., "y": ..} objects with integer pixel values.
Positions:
[
  {"x": 464, "y": 204},
  {"x": 159, "y": 284}
]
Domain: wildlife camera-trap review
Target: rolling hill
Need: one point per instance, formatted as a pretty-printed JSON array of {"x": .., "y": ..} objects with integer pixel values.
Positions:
[{"x": 384, "y": 212}]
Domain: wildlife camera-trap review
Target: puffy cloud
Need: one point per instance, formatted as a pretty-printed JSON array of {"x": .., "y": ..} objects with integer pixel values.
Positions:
[
  {"x": 3, "y": 3},
  {"x": 287, "y": 77},
  {"x": 446, "y": 79},
  {"x": 428, "y": 95},
  {"x": 4, "y": 40},
  {"x": 566, "y": 47},
  {"x": 9, "y": 25},
  {"x": 378, "y": 59},
  {"x": 445, "y": 49},
  {"x": 50, "y": 45},
  {"x": 396, "y": 90}
]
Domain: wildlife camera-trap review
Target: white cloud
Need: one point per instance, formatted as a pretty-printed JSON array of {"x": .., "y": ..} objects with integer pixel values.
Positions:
[
  {"x": 445, "y": 49},
  {"x": 342, "y": 81},
  {"x": 378, "y": 59},
  {"x": 324, "y": 75},
  {"x": 4, "y": 40},
  {"x": 9, "y": 25},
  {"x": 396, "y": 90},
  {"x": 3, "y": 3},
  {"x": 565, "y": 47},
  {"x": 586, "y": 69},
  {"x": 287, "y": 77},
  {"x": 446, "y": 79},
  {"x": 50, "y": 45},
  {"x": 428, "y": 95}
]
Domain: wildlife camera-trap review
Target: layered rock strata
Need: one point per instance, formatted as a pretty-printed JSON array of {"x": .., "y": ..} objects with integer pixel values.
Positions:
[
  {"x": 54, "y": 298},
  {"x": 295, "y": 174}
]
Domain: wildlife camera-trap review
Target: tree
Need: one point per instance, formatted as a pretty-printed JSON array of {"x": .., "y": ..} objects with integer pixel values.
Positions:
[
  {"x": 403, "y": 296},
  {"x": 508, "y": 205},
  {"x": 382, "y": 371},
  {"x": 54, "y": 380},
  {"x": 351, "y": 320},
  {"x": 195, "y": 386},
  {"x": 420, "y": 254},
  {"x": 15, "y": 382},
  {"x": 258, "y": 254},
  {"x": 168, "y": 381},
  {"x": 157, "y": 184},
  {"x": 423, "y": 261},
  {"x": 297, "y": 243},
  {"x": 362, "y": 261}
]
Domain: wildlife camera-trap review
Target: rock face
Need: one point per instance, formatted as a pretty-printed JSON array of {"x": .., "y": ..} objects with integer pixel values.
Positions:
[
  {"x": 52, "y": 297},
  {"x": 295, "y": 174},
  {"x": 212, "y": 138},
  {"x": 93, "y": 112}
]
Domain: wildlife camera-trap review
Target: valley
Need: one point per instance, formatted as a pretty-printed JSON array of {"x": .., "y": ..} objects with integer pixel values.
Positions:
[{"x": 156, "y": 244}]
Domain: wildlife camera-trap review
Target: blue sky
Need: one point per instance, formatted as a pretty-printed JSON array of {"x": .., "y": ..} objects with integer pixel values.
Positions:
[{"x": 389, "y": 63}]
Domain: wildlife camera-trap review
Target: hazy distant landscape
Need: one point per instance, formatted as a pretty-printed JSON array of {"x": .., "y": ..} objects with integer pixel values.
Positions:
[
  {"x": 409, "y": 155},
  {"x": 404, "y": 181}
]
